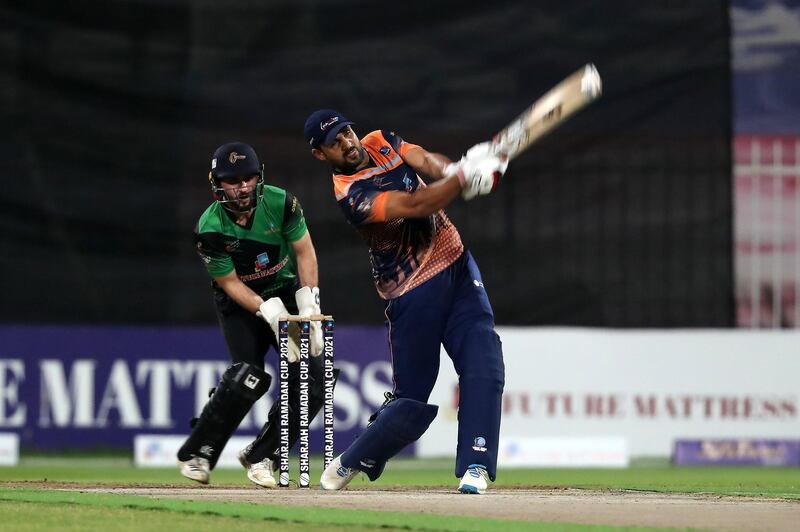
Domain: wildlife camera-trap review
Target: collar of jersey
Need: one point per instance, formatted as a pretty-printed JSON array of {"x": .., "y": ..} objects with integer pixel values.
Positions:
[{"x": 343, "y": 182}]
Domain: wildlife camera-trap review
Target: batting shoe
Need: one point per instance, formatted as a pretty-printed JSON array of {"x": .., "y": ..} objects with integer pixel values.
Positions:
[
  {"x": 259, "y": 473},
  {"x": 336, "y": 476},
  {"x": 475, "y": 480},
  {"x": 197, "y": 469}
]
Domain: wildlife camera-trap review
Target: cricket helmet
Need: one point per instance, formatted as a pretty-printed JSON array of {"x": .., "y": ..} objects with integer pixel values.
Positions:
[{"x": 232, "y": 160}]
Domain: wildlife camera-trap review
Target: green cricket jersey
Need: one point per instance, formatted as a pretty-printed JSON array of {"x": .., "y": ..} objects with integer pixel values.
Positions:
[{"x": 261, "y": 253}]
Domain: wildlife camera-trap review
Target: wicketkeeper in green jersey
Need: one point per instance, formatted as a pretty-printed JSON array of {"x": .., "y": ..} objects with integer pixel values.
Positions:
[{"x": 256, "y": 248}]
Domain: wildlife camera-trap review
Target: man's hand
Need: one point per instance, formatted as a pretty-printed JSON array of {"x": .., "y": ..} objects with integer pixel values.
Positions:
[
  {"x": 479, "y": 171},
  {"x": 270, "y": 311},
  {"x": 307, "y": 304}
]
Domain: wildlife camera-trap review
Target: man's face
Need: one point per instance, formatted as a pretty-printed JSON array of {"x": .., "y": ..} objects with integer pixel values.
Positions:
[
  {"x": 239, "y": 190},
  {"x": 345, "y": 152}
]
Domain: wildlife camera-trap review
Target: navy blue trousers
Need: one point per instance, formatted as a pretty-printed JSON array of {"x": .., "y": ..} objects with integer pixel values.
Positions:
[{"x": 452, "y": 309}]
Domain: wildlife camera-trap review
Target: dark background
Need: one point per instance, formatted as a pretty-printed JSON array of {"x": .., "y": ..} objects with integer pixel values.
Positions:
[{"x": 111, "y": 111}]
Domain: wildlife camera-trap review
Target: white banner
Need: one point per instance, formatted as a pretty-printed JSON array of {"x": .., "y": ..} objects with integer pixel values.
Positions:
[
  {"x": 9, "y": 449},
  {"x": 158, "y": 450},
  {"x": 563, "y": 452},
  {"x": 648, "y": 387}
]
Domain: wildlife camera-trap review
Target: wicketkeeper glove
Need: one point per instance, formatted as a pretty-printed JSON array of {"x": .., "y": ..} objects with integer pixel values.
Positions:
[
  {"x": 270, "y": 311},
  {"x": 307, "y": 304}
]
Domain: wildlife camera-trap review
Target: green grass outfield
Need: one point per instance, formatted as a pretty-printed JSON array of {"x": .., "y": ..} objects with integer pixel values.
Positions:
[{"x": 31, "y": 509}]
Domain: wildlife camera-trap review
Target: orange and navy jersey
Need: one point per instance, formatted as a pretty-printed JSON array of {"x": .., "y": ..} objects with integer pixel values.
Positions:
[{"x": 404, "y": 252}]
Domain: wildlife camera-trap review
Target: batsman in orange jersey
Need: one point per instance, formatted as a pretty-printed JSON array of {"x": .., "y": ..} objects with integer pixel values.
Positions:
[{"x": 432, "y": 287}]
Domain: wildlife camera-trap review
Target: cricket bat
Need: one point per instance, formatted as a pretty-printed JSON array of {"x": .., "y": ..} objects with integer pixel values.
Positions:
[{"x": 558, "y": 104}]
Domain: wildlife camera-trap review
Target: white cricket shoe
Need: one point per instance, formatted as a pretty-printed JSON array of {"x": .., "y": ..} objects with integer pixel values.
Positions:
[
  {"x": 336, "y": 476},
  {"x": 259, "y": 473},
  {"x": 197, "y": 469},
  {"x": 475, "y": 480}
]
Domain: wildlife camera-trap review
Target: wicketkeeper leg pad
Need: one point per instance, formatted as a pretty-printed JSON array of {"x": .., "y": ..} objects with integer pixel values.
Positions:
[
  {"x": 398, "y": 423},
  {"x": 241, "y": 385}
]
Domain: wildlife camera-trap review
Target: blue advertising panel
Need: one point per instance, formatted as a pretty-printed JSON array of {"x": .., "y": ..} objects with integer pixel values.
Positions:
[
  {"x": 766, "y": 52},
  {"x": 737, "y": 452},
  {"x": 96, "y": 387}
]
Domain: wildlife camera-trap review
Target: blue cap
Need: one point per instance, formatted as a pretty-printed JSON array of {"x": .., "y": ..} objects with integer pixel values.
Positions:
[
  {"x": 235, "y": 159},
  {"x": 323, "y": 125}
]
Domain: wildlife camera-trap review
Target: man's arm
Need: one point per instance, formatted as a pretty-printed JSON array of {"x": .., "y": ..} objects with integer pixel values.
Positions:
[
  {"x": 239, "y": 292},
  {"x": 427, "y": 164},
  {"x": 425, "y": 200},
  {"x": 307, "y": 268}
]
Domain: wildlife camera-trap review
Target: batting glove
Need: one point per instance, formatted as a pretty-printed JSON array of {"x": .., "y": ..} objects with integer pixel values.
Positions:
[
  {"x": 480, "y": 170},
  {"x": 479, "y": 151},
  {"x": 307, "y": 304}
]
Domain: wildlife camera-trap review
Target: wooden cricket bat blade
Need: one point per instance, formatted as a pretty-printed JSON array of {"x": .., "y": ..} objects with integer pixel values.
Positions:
[{"x": 559, "y": 103}]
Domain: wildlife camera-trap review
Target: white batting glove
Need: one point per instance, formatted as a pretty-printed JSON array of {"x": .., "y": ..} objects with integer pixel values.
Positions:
[
  {"x": 307, "y": 304},
  {"x": 485, "y": 149},
  {"x": 270, "y": 311},
  {"x": 479, "y": 151},
  {"x": 480, "y": 170},
  {"x": 473, "y": 155}
]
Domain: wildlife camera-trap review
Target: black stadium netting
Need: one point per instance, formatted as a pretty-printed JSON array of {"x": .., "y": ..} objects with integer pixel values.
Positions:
[{"x": 111, "y": 110}]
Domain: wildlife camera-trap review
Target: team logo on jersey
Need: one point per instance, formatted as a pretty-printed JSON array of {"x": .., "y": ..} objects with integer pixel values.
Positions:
[
  {"x": 233, "y": 157},
  {"x": 479, "y": 444},
  {"x": 230, "y": 246},
  {"x": 384, "y": 150},
  {"x": 261, "y": 261},
  {"x": 408, "y": 183}
]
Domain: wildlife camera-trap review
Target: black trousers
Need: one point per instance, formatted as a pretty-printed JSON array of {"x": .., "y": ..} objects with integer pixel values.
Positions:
[{"x": 247, "y": 336}]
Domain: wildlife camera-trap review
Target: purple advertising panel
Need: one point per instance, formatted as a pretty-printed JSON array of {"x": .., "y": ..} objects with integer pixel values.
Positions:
[
  {"x": 96, "y": 387},
  {"x": 744, "y": 452}
]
